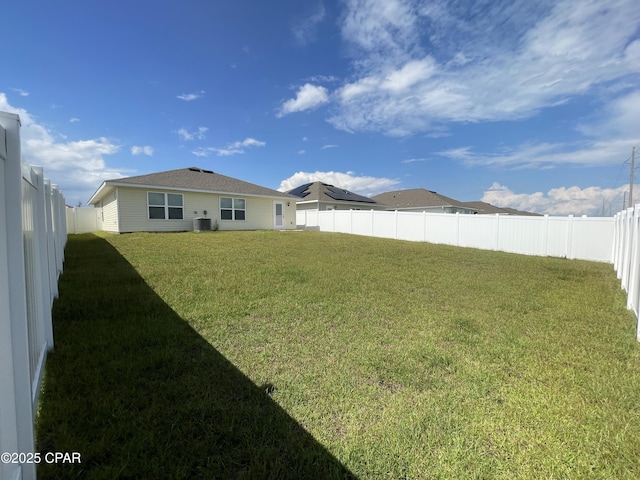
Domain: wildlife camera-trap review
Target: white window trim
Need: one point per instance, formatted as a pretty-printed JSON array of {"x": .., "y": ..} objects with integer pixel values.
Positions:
[
  {"x": 233, "y": 209},
  {"x": 166, "y": 205}
]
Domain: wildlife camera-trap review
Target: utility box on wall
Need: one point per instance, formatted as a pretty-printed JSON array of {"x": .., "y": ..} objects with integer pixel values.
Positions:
[{"x": 201, "y": 224}]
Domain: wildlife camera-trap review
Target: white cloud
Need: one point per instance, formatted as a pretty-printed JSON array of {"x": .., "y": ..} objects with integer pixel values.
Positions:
[
  {"x": 74, "y": 120},
  {"x": 188, "y": 97},
  {"x": 415, "y": 160},
  {"x": 19, "y": 91},
  {"x": 592, "y": 201},
  {"x": 322, "y": 79},
  {"x": 234, "y": 148},
  {"x": 146, "y": 150},
  {"x": 363, "y": 185},
  {"x": 382, "y": 29},
  {"x": 544, "y": 155},
  {"x": 301, "y": 152},
  {"x": 187, "y": 135},
  {"x": 77, "y": 167},
  {"x": 409, "y": 74},
  {"x": 608, "y": 141},
  {"x": 541, "y": 56},
  {"x": 305, "y": 30},
  {"x": 325, "y": 147},
  {"x": 308, "y": 97}
]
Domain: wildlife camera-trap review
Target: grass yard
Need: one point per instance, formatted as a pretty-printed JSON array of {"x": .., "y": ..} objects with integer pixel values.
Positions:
[{"x": 316, "y": 355}]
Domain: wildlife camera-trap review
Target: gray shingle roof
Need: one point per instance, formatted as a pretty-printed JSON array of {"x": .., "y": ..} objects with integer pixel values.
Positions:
[
  {"x": 487, "y": 208},
  {"x": 195, "y": 178},
  {"x": 416, "y": 198}
]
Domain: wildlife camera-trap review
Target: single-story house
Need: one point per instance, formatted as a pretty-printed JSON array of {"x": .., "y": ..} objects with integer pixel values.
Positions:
[
  {"x": 422, "y": 200},
  {"x": 322, "y": 196},
  {"x": 172, "y": 200}
]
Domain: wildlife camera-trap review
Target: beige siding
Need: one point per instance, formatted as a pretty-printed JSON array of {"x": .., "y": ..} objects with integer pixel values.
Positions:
[
  {"x": 259, "y": 214},
  {"x": 134, "y": 214},
  {"x": 290, "y": 215},
  {"x": 307, "y": 206},
  {"x": 110, "y": 213}
]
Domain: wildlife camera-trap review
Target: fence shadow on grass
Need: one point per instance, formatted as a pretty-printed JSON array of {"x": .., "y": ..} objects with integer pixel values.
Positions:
[{"x": 140, "y": 394}]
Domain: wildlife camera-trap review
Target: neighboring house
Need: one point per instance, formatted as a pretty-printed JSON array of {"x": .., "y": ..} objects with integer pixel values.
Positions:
[
  {"x": 484, "y": 208},
  {"x": 322, "y": 196},
  {"x": 171, "y": 200},
  {"x": 422, "y": 200}
]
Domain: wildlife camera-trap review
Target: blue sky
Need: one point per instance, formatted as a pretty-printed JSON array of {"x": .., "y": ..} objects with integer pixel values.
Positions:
[{"x": 531, "y": 105}]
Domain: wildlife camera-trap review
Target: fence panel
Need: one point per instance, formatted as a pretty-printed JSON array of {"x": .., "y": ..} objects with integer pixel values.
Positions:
[
  {"x": 361, "y": 222},
  {"x": 441, "y": 228},
  {"x": 524, "y": 235},
  {"x": 383, "y": 224},
  {"x": 592, "y": 238},
  {"x": 479, "y": 231},
  {"x": 410, "y": 227}
]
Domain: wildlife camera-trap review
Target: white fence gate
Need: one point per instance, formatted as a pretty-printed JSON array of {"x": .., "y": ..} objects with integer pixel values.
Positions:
[
  {"x": 32, "y": 239},
  {"x": 84, "y": 219}
]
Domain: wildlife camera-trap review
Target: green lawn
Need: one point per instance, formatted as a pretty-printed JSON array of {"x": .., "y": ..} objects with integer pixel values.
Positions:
[{"x": 317, "y": 355}]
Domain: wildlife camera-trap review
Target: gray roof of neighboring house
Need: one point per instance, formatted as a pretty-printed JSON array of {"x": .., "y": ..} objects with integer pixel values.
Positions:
[
  {"x": 417, "y": 198},
  {"x": 192, "y": 178},
  {"x": 323, "y": 192},
  {"x": 487, "y": 208}
]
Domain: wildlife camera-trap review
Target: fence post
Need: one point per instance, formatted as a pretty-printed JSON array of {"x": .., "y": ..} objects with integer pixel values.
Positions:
[
  {"x": 16, "y": 409},
  {"x": 545, "y": 244},
  {"x": 43, "y": 262},
  {"x": 424, "y": 225},
  {"x": 59, "y": 228},
  {"x": 568, "y": 248},
  {"x": 632, "y": 293},
  {"x": 351, "y": 220},
  {"x": 629, "y": 240},
  {"x": 614, "y": 247},
  {"x": 395, "y": 235},
  {"x": 51, "y": 250}
]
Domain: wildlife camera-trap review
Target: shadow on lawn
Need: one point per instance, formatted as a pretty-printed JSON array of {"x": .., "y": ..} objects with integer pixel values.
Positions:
[{"x": 140, "y": 394}]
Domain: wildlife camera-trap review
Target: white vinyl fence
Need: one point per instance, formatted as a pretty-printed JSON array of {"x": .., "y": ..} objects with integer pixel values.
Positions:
[
  {"x": 32, "y": 239},
  {"x": 587, "y": 238},
  {"x": 626, "y": 256}
]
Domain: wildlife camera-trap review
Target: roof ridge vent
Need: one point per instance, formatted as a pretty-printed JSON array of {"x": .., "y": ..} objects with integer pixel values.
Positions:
[{"x": 200, "y": 170}]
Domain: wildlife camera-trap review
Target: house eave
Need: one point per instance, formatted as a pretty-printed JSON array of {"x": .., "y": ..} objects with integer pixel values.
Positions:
[
  {"x": 96, "y": 196},
  {"x": 99, "y": 194},
  {"x": 339, "y": 202}
]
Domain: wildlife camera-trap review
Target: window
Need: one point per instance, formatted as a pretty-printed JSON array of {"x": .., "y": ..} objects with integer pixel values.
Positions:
[
  {"x": 165, "y": 206},
  {"x": 232, "y": 208}
]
